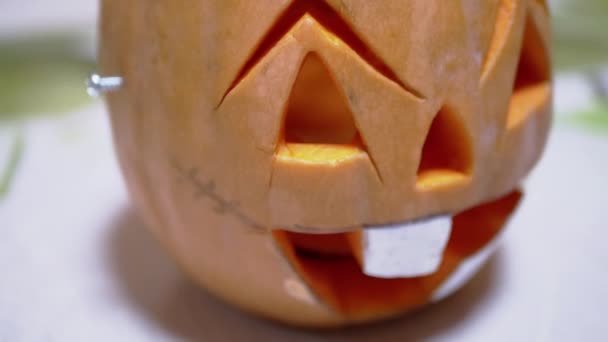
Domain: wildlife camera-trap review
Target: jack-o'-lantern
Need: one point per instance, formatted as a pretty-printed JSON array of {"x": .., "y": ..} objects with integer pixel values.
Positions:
[{"x": 326, "y": 162}]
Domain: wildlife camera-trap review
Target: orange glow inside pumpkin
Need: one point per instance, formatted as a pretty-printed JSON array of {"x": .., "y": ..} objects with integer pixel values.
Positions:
[
  {"x": 319, "y": 126},
  {"x": 447, "y": 153},
  {"x": 329, "y": 263},
  {"x": 532, "y": 80}
]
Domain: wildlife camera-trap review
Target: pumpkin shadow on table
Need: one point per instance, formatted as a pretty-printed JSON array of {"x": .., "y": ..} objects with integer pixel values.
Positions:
[{"x": 154, "y": 288}]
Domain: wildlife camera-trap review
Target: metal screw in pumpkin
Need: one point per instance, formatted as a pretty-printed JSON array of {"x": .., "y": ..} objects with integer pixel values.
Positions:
[{"x": 98, "y": 85}]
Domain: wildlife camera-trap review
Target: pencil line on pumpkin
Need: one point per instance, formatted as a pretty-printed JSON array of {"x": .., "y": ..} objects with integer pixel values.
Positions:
[
  {"x": 207, "y": 189},
  {"x": 333, "y": 22},
  {"x": 271, "y": 177}
]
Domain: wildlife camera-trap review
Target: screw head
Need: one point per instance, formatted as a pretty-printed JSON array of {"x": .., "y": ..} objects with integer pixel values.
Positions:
[{"x": 98, "y": 85}]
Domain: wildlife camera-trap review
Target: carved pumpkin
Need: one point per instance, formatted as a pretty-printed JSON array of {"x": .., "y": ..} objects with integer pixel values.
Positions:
[{"x": 268, "y": 142}]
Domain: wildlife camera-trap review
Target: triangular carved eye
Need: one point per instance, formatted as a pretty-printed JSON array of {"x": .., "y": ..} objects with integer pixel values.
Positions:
[
  {"x": 317, "y": 112},
  {"x": 447, "y": 155},
  {"x": 319, "y": 126},
  {"x": 533, "y": 67},
  {"x": 531, "y": 85}
]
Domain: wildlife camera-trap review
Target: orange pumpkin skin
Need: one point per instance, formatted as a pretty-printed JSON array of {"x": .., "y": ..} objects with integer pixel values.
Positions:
[{"x": 429, "y": 107}]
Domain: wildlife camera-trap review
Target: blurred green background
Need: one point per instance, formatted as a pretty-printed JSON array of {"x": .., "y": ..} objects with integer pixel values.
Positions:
[
  {"x": 42, "y": 74},
  {"x": 580, "y": 34}
]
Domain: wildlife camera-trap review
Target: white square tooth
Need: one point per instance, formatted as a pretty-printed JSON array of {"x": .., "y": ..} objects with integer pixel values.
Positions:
[{"x": 407, "y": 250}]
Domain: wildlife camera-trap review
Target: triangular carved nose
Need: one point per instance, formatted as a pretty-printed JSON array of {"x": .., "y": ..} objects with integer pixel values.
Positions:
[{"x": 317, "y": 112}]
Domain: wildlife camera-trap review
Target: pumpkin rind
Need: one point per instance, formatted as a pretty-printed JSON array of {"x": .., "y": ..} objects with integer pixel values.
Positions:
[{"x": 199, "y": 151}]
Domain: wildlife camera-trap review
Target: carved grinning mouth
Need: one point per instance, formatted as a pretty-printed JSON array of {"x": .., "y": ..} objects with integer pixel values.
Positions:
[{"x": 334, "y": 265}]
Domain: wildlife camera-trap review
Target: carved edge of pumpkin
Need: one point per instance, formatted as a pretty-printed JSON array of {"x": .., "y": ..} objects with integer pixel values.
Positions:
[
  {"x": 533, "y": 77},
  {"x": 186, "y": 242},
  {"x": 506, "y": 16},
  {"x": 475, "y": 235},
  {"x": 529, "y": 113},
  {"x": 309, "y": 34},
  {"x": 502, "y": 29},
  {"x": 447, "y": 158},
  {"x": 521, "y": 106},
  {"x": 330, "y": 20}
]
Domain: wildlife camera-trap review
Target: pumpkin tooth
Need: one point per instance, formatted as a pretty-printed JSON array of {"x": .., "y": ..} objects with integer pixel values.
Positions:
[{"x": 404, "y": 250}]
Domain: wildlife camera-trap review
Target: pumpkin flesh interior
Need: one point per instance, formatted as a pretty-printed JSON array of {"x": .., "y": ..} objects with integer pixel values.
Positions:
[
  {"x": 333, "y": 22},
  {"x": 532, "y": 83},
  {"x": 319, "y": 125},
  {"x": 447, "y": 154},
  {"x": 330, "y": 264}
]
